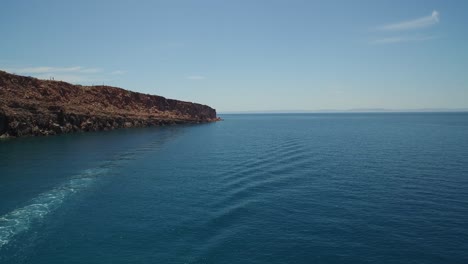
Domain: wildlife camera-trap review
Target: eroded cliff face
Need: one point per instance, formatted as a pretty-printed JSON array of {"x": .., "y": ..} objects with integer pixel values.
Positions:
[{"x": 29, "y": 106}]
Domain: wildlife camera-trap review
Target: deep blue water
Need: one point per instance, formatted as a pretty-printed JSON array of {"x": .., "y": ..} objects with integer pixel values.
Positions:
[{"x": 291, "y": 188}]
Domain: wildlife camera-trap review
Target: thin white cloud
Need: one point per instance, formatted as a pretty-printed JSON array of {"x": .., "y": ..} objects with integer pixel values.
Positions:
[
  {"x": 30, "y": 70},
  {"x": 45, "y": 69},
  {"x": 400, "y": 39},
  {"x": 75, "y": 74},
  {"x": 71, "y": 78},
  {"x": 90, "y": 70},
  {"x": 118, "y": 72},
  {"x": 196, "y": 77},
  {"x": 421, "y": 22}
]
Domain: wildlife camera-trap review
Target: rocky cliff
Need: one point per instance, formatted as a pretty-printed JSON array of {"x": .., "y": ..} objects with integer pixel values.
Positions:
[{"x": 30, "y": 106}]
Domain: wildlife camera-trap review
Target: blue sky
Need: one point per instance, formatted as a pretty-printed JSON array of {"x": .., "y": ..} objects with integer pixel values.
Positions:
[{"x": 249, "y": 55}]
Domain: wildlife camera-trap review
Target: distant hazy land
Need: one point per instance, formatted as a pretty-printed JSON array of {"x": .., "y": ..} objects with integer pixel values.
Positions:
[{"x": 355, "y": 110}]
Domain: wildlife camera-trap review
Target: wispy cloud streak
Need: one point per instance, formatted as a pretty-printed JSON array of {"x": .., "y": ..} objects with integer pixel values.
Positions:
[
  {"x": 68, "y": 77},
  {"x": 196, "y": 77},
  {"x": 75, "y": 74},
  {"x": 400, "y": 39},
  {"x": 422, "y": 22},
  {"x": 44, "y": 69},
  {"x": 118, "y": 72}
]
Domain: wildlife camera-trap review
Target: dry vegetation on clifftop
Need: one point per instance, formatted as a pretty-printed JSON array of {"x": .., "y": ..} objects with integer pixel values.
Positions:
[{"x": 30, "y": 106}]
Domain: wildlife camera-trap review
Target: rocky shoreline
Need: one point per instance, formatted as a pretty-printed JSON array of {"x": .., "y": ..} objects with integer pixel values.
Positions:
[{"x": 33, "y": 107}]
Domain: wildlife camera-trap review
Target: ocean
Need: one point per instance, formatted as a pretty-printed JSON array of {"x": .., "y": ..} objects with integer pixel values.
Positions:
[{"x": 270, "y": 188}]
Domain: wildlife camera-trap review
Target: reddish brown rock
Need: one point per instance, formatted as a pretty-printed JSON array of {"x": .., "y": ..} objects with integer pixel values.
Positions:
[{"x": 29, "y": 106}]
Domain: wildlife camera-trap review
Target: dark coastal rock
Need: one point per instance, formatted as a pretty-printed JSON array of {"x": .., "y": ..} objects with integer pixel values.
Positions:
[
  {"x": 3, "y": 123},
  {"x": 29, "y": 106}
]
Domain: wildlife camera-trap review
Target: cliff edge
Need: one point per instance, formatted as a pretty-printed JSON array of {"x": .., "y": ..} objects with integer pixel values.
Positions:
[{"x": 30, "y": 106}]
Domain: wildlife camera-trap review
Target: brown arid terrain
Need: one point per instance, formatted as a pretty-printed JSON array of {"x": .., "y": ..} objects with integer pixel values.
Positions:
[{"x": 30, "y": 106}]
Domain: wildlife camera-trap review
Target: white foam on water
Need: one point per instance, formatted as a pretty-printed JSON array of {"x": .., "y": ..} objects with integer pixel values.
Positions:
[{"x": 21, "y": 219}]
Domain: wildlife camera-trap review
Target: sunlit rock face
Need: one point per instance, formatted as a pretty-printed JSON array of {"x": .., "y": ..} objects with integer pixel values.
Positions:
[{"x": 29, "y": 106}]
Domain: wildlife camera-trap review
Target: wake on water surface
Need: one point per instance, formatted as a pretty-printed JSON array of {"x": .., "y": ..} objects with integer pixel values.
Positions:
[
  {"x": 35, "y": 210},
  {"x": 21, "y": 219}
]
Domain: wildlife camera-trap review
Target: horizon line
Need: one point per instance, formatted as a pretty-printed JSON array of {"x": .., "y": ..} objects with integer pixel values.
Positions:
[{"x": 370, "y": 110}]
